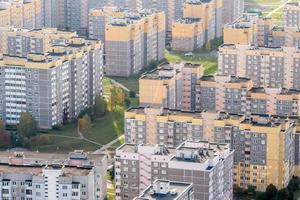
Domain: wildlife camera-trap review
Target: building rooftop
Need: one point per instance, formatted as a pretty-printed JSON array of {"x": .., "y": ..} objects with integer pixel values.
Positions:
[
  {"x": 151, "y": 149},
  {"x": 34, "y": 160},
  {"x": 164, "y": 190},
  {"x": 188, "y": 20},
  {"x": 166, "y": 71},
  {"x": 200, "y": 152}
]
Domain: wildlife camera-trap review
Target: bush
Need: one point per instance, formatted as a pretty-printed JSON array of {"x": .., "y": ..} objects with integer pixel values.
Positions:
[
  {"x": 41, "y": 140},
  {"x": 57, "y": 127},
  {"x": 127, "y": 102},
  {"x": 132, "y": 94}
]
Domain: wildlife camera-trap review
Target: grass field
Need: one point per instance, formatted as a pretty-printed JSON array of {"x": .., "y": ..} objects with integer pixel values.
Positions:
[{"x": 210, "y": 63}]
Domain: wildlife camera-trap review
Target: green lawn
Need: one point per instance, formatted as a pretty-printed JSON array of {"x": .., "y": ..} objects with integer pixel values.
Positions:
[
  {"x": 107, "y": 128},
  {"x": 130, "y": 82},
  {"x": 210, "y": 63}
]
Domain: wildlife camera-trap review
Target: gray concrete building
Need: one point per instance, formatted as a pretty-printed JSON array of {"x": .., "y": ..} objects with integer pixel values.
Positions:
[
  {"x": 199, "y": 163},
  {"x": 53, "y": 83},
  {"x": 43, "y": 176}
]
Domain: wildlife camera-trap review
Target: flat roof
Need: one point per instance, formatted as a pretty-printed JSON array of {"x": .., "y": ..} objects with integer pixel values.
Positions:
[{"x": 177, "y": 187}]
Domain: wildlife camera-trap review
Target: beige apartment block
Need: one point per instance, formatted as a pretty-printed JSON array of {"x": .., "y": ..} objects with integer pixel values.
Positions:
[
  {"x": 210, "y": 12},
  {"x": 187, "y": 34},
  {"x": 248, "y": 29},
  {"x": 266, "y": 66},
  {"x": 133, "y": 41},
  {"x": 208, "y": 166},
  {"x": 291, "y": 15},
  {"x": 170, "y": 86},
  {"x": 263, "y": 144},
  {"x": 21, "y": 14}
]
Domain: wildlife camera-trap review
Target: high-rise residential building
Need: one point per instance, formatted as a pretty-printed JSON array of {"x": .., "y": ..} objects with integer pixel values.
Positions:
[
  {"x": 208, "y": 166},
  {"x": 283, "y": 36},
  {"x": 170, "y": 85},
  {"x": 54, "y": 76},
  {"x": 232, "y": 10},
  {"x": 291, "y": 15},
  {"x": 45, "y": 176},
  {"x": 263, "y": 144},
  {"x": 187, "y": 34},
  {"x": 266, "y": 66},
  {"x": 53, "y": 13},
  {"x": 237, "y": 95},
  {"x": 132, "y": 42},
  {"x": 210, "y": 12},
  {"x": 164, "y": 189},
  {"x": 21, "y": 14},
  {"x": 248, "y": 29},
  {"x": 20, "y": 42}
]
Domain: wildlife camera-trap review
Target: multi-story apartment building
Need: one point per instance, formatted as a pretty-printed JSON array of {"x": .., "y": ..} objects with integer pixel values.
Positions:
[
  {"x": 266, "y": 66},
  {"x": 164, "y": 189},
  {"x": 133, "y": 41},
  {"x": 187, "y": 34},
  {"x": 170, "y": 85},
  {"x": 42, "y": 176},
  {"x": 54, "y": 84},
  {"x": 222, "y": 93},
  {"x": 21, "y": 14},
  {"x": 237, "y": 95},
  {"x": 263, "y": 145},
  {"x": 210, "y": 12},
  {"x": 291, "y": 15},
  {"x": 232, "y": 10},
  {"x": 248, "y": 29},
  {"x": 21, "y": 42},
  {"x": 208, "y": 166},
  {"x": 281, "y": 36}
]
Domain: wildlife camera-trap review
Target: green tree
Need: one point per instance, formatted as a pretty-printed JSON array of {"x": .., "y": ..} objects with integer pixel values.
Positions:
[
  {"x": 27, "y": 126},
  {"x": 100, "y": 106},
  {"x": 271, "y": 192},
  {"x": 132, "y": 94},
  {"x": 85, "y": 123},
  {"x": 4, "y": 137},
  {"x": 283, "y": 194},
  {"x": 251, "y": 189},
  {"x": 127, "y": 102},
  {"x": 117, "y": 97}
]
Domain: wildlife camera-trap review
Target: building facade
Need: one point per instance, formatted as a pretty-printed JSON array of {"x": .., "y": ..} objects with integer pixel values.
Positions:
[
  {"x": 291, "y": 15},
  {"x": 42, "y": 176},
  {"x": 53, "y": 85},
  {"x": 133, "y": 41},
  {"x": 171, "y": 85},
  {"x": 265, "y": 66},
  {"x": 187, "y": 35},
  {"x": 263, "y": 145},
  {"x": 21, "y": 14},
  {"x": 207, "y": 166}
]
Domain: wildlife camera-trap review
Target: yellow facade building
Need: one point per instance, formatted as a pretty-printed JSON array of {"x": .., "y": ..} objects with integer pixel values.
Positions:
[
  {"x": 187, "y": 34},
  {"x": 21, "y": 14}
]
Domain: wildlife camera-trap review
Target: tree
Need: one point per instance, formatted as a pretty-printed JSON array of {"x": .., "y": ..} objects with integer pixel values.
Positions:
[
  {"x": 294, "y": 184},
  {"x": 100, "y": 106},
  {"x": 85, "y": 123},
  {"x": 117, "y": 97},
  {"x": 271, "y": 192},
  {"x": 27, "y": 126},
  {"x": 251, "y": 189},
  {"x": 284, "y": 194},
  {"x": 127, "y": 102},
  {"x": 4, "y": 137},
  {"x": 132, "y": 94}
]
